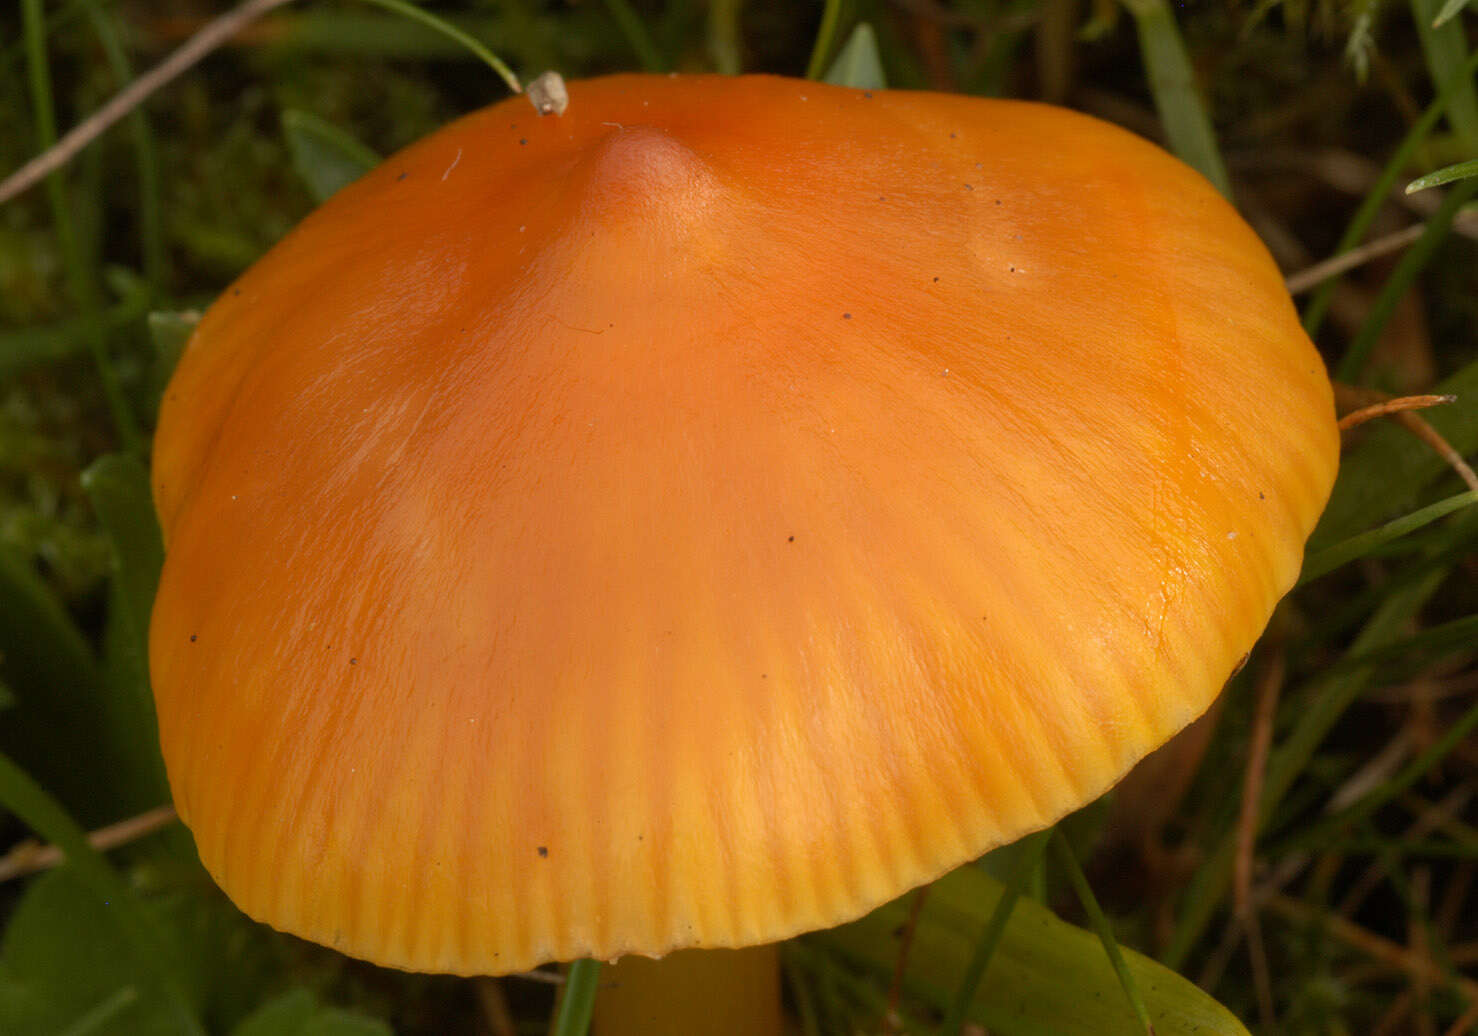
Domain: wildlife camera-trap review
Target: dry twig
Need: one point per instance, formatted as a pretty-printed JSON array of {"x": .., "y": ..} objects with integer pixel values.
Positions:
[
  {"x": 1376, "y": 947},
  {"x": 1356, "y": 418},
  {"x": 31, "y": 856},
  {"x": 1313, "y": 276},
  {"x": 894, "y": 1021},
  {"x": 1269, "y": 686},
  {"x": 135, "y": 93},
  {"x": 1367, "y": 399}
]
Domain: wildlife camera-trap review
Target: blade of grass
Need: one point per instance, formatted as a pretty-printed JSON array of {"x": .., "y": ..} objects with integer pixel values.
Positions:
[
  {"x": 213, "y": 35},
  {"x": 825, "y": 39},
  {"x": 1330, "y": 558},
  {"x": 39, "y": 642},
  {"x": 1326, "y": 701},
  {"x": 1446, "y": 49},
  {"x": 103, "y": 1013},
  {"x": 724, "y": 36},
  {"x": 1449, "y": 11},
  {"x": 635, "y": 31},
  {"x": 447, "y": 29},
  {"x": 118, "y": 487},
  {"x": 1095, "y": 914},
  {"x": 1375, "y": 198},
  {"x": 146, "y": 155},
  {"x": 1420, "y": 650},
  {"x": 325, "y": 157},
  {"x": 1319, "y": 833},
  {"x": 859, "y": 64},
  {"x": 80, "y": 280},
  {"x": 1445, "y": 175},
  {"x": 1401, "y": 280},
  {"x": 45, "y": 816},
  {"x": 990, "y": 938},
  {"x": 578, "y": 1000},
  {"x": 800, "y": 991},
  {"x": 30, "y": 346},
  {"x": 1173, "y": 83}
]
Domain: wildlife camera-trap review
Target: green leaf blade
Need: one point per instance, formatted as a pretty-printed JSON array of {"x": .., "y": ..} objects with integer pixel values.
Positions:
[
  {"x": 1045, "y": 976},
  {"x": 859, "y": 64},
  {"x": 326, "y": 157}
]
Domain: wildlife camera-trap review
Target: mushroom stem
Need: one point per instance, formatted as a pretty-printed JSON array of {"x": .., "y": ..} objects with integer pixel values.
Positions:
[{"x": 716, "y": 992}]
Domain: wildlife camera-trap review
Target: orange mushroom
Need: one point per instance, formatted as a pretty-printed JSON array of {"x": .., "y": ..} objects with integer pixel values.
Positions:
[{"x": 697, "y": 518}]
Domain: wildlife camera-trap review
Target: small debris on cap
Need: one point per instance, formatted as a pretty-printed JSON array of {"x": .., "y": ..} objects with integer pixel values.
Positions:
[{"x": 548, "y": 95}]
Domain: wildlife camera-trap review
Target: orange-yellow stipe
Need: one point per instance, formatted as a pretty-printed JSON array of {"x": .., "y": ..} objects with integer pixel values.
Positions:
[{"x": 699, "y": 517}]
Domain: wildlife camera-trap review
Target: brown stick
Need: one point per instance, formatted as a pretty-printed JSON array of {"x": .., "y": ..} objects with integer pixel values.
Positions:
[
  {"x": 1269, "y": 686},
  {"x": 1378, "y": 948},
  {"x": 1356, "y": 418},
  {"x": 135, "y": 93},
  {"x": 894, "y": 1020},
  {"x": 1412, "y": 422},
  {"x": 1313, "y": 276},
  {"x": 31, "y": 856},
  {"x": 1465, "y": 1023}
]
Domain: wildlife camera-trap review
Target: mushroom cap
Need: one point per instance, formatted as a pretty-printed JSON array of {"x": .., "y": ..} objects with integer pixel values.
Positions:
[{"x": 700, "y": 517}]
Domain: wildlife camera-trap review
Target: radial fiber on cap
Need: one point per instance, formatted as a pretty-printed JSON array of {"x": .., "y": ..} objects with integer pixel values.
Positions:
[{"x": 699, "y": 517}]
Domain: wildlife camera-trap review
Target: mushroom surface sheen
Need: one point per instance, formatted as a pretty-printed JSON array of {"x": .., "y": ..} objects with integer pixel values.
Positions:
[{"x": 697, "y": 518}]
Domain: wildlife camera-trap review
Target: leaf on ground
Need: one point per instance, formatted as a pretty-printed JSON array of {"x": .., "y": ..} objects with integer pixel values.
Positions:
[
  {"x": 67, "y": 966},
  {"x": 118, "y": 486},
  {"x": 169, "y": 331},
  {"x": 56, "y": 730},
  {"x": 1046, "y": 975},
  {"x": 298, "y": 1013}
]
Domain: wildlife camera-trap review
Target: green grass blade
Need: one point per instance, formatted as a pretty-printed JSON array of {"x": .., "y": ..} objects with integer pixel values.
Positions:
[
  {"x": 635, "y": 30},
  {"x": 103, "y": 1014},
  {"x": 1029, "y": 854},
  {"x": 1399, "y": 283},
  {"x": 451, "y": 32},
  {"x": 1449, "y": 11},
  {"x": 1330, "y": 558},
  {"x": 825, "y": 39},
  {"x": 1323, "y": 831},
  {"x": 800, "y": 991},
  {"x": 1173, "y": 83},
  {"x": 146, "y": 154},
  {"x": 28, "y": 347},
  {"x": 39, "y": 642},
  {"x": 1445, "y": 175},
  {"x": 1046, "y": 976},
  {"x": 1095, "y": 913},
  {"x": 118, "y": 487},
  {"x": 724, "y": 36},
  {"x": 1391, "y": 468},
  {"x": 324, "y": 156},
  {"x": 80, "y": 279},
  {"x": 1375, "y": 198},
  {"x": 577, "y": 1003},
  {"x": 1327, "y": 701},
  {"x": 1446, "y": 49},
  {"x": 44, "y": 815},
  {"x": 1420, "y": 650},
  {"x": 859, "y": 64}
]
